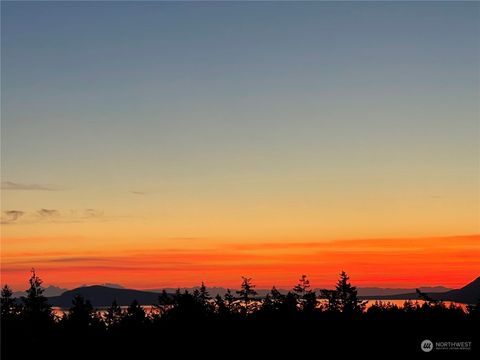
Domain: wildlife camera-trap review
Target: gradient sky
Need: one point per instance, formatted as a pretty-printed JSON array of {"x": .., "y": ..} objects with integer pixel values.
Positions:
[{"x": 162, "y": 144}]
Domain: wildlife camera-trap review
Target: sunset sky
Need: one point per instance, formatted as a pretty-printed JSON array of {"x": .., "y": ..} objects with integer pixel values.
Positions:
[{"x": 163, "y": 144}]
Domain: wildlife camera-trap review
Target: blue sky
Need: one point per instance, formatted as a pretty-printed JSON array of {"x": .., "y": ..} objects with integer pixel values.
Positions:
[{"x": 244, "y": 103}]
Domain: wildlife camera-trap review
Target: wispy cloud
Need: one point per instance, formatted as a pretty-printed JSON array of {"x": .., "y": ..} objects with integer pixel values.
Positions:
[
  {"x": 143, "y": 192},
  {"x": 66, "y": 259},
  {"x": 76, "y": 259},
  {"x": 85, "y": 214},
  {"x": 10, "y": 185},
  {"x": 48, "y": 213},
  {"x": 10, "y": 216},
  {"x": 92, "y": 213},
  {"x": 51, "y": 216}
]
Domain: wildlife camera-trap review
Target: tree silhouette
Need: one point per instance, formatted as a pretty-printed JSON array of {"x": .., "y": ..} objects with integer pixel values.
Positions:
[
  {"x": 165, "y": 302},
  {"x": 36, "y": 307},
  {"x": 12, "y": 327},
  {"x": 302, "y": 287},
  {"x": 273, "y": 303},
  {"x": 268, "y": 306},
  {"x": 289, "y": 305},
  {"x": 307, "y": 297},
  {"x": 333, "y": 304},
  {"x": 277, "y": 296},
  {"x": 247, "y": 293},
  {"x": 186, "y": 307},
  {"x": 113, "y": 315},
  {"x": 187, "y": 322},
  {"x": 221, "y": 307},
  {"x": 229, "y": 300},
  {"x": 347, "y": 295},
  {"x": 202, "y": 296},
  {"x": 81, "y": 315},
  {"x": 8, "y": 305},
  {"x": 164, "y": 298},
  {"x": 309, "y": 303},
  {"x": 408, "y": 306},
  {"x": 474, "y": 310},
  {"x": 425, "y": 297},
  {"x": 135, "y": 313}
]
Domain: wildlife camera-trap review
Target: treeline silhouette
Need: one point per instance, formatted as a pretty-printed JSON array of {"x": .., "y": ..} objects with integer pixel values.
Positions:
[{"x": 192, "y": 323}]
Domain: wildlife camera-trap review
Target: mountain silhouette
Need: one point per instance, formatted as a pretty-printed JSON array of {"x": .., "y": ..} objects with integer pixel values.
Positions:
[
  {"x": 469, "y": 294},
  {"x": 366, "y": 291},
  {"x": 100, "y": 295},
  {"x": 51, "y": 290},
  {"x": 378, "y": 291},
  {"x": 104, "y": 296}
]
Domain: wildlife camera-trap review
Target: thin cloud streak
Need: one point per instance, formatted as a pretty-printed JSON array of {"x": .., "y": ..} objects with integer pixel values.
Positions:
[
  {"x": 48, "y": 213},
  {"x": 10, "y": 185},
  {"x": 44, "y": 215}
]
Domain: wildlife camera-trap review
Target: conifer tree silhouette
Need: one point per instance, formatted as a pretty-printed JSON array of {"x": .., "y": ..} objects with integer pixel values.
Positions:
[
  {"x": 246, "y": 293},
  {"x": 8, "y": 305},
  {"x": 347, "y": 295},
  {"x": 82, "y": 316},
  {"x": 36, "y": 309},
  {"x": 306, "y": 296},
  {"x": 113, "y": 315}
]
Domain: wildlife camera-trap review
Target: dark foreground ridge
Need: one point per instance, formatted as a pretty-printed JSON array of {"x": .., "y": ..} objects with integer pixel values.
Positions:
[{"x": 302, "y": 323}]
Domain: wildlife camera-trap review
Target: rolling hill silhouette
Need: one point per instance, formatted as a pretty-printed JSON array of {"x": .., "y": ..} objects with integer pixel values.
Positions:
[
  {"x": 50, "y": 290},
  {"x": 469, "y": 294},
  {"x": 100, "y": 296},
  {"x": 362, "y": 291},
  {"x": 104, "y": 296}
]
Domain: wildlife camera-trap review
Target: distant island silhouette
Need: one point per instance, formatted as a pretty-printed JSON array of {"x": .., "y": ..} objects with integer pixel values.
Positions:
[
  {"x": 363, "y": 292},
  {"x": 104, "y": 295},
  {"x": 468, "y": 294}
]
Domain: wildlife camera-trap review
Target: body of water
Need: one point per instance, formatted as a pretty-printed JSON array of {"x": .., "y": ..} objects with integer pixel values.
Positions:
[{"x": 59, "y": 311}]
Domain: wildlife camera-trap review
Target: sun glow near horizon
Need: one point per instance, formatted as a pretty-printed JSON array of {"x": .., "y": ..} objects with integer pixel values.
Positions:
[{"x": 402, "y": 262}]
